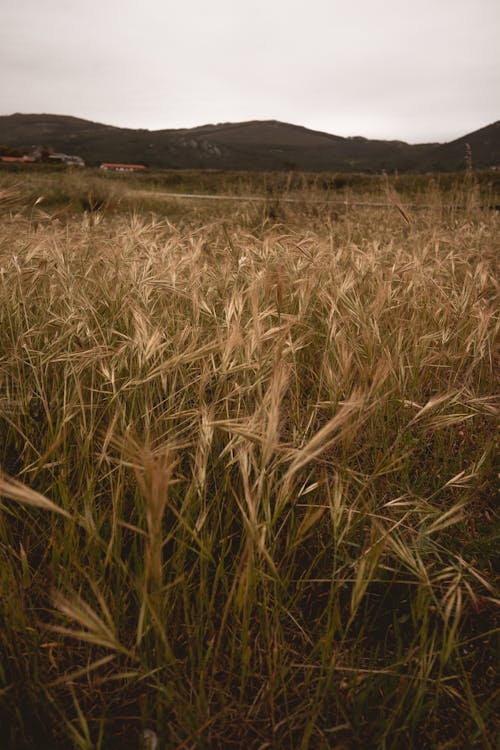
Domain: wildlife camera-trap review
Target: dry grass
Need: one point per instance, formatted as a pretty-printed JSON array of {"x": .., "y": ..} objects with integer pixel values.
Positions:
[{"x": 248, "y": 478}]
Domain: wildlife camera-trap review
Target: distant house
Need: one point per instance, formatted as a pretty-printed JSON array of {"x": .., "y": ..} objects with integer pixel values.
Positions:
[
  {"x": 122, "y": 167},
  {"x": 17, "y": 159},
  {"x": 76, "y": 161}
]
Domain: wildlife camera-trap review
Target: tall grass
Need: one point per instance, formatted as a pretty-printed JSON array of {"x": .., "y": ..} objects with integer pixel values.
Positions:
[{"x": 248, "y": 479}]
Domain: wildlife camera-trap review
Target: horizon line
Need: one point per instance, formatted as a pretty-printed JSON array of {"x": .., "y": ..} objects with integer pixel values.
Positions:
[{"x": 243, "y": 122}]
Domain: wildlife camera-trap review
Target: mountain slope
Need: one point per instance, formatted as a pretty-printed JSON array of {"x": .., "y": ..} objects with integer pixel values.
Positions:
[
  {"x": 484, "y": 147},
  {"x": 260, "y": 145}
]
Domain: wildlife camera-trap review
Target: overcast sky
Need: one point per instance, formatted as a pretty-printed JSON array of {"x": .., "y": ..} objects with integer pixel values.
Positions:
[{"x": 420, "y": 70}]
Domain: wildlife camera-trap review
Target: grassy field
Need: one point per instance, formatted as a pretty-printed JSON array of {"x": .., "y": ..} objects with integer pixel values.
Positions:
[{"x": 247, "y": 464}]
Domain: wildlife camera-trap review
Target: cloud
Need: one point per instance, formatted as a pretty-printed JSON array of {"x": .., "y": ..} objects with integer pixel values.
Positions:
[{"x": 391, "y": 69}]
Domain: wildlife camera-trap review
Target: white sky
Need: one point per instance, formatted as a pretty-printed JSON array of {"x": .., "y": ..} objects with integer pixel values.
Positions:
[{"x": 419, "y": 70}]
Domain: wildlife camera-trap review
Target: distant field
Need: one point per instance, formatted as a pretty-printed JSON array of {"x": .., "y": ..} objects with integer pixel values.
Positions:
[
  {"x": 68, "y": 188},
  {"x": 247, "y": 458}
]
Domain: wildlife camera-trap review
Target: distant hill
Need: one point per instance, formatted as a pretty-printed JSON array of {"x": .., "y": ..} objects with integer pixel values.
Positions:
[
  {"x": 484, "y": 150},
  {"x": 259, "y": 145}
]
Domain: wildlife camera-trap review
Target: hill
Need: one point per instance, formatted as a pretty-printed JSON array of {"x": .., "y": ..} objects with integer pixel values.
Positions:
[
  {"x": 259, "y": 145},
  {"x": 484, "y": 150}
]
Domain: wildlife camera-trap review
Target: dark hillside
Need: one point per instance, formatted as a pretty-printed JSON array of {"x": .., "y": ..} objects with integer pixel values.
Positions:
[
  {"x": 258, "y": 145},
  {"x": 484, "y": 151}
]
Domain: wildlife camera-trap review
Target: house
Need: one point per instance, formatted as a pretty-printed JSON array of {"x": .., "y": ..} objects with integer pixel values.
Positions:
[
  {"x": 122, "y": 167},
  {"x": 17, "y": 159},
  {"x": 76, "y": 161}
]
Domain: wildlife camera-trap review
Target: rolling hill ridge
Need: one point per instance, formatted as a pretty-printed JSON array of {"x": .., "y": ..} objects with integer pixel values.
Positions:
[{"x": 258, "y": 145}]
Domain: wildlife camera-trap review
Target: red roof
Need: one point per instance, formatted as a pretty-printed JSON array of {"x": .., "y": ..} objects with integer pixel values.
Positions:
[{"x": 20, "y": 159}]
